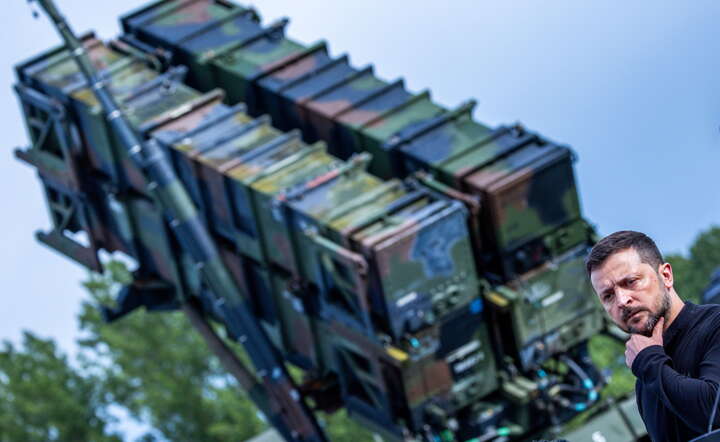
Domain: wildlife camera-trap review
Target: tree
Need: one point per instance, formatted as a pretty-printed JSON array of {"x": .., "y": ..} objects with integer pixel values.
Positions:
[
  {"x": 43, "y": 398},
  {"x": 160, "y": 369},
  {"x": 692, "y": 272}
]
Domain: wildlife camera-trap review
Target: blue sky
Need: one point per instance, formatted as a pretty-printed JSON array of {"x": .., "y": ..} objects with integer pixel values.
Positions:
[{"x": 633, "y": 87}]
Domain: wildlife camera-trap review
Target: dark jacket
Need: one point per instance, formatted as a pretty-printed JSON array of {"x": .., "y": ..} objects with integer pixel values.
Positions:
[{"x": 677, "y": 382}]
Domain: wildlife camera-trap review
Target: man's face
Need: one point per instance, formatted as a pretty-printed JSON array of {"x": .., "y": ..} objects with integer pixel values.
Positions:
[{"x": 631, "y": 291}]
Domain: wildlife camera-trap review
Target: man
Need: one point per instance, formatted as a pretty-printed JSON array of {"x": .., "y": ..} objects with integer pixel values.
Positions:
[{"x": 674, "y": 346}]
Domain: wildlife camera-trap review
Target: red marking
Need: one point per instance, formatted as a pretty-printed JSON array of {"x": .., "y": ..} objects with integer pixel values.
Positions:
[
  {"x": 330, "y": 108},
  {"x": 195, "y": 13},
  {"x": 359, "y": 116},
  {"x": 296, "y": 69},
  {"x": 279, "y": 62},
  {"x": 188, "y": 121},
  {"x": 321, "y": 179}
]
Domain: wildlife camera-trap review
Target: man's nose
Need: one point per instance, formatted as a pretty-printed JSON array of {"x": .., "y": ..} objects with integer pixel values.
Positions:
[{"x": 624, "y": 297}]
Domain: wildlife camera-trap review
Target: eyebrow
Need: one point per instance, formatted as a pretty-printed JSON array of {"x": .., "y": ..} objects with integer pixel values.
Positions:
[
  {"x": 624, "y": 280},
  {"x": 607, "y": 290}
]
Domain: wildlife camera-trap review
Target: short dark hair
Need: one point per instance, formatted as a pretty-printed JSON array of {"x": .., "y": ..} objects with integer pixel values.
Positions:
[{"x": 622, "y": 240}]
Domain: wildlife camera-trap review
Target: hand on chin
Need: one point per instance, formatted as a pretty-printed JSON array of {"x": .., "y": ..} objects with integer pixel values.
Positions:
[{"x": 639, "y": 342}]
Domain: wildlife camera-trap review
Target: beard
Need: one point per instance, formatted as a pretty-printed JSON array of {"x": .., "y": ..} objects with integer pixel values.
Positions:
[{"x": 661, "y": 307}]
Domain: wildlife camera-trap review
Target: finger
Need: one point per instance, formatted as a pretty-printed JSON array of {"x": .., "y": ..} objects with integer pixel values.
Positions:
[{"x": 657, "y": 331}]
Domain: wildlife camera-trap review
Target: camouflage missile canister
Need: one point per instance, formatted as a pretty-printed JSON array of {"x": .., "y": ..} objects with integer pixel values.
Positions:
[
  {"x": 423, "y": 262},
  {"x": 250, "y": 165},
  {"x": 435, "y": 372},
  {"x": 243, "y": 173},
  {"x": 186, "y": 24},
  {"x": 549, "y": 310},
  {"x": 216, "y": 39},
  {"x": 54, "y": 73},
  {"x": 529, "y": 193},
  {"x": 448, "y": 366},
  {"x": 415, "y": 250},
  {"x": 299, "y": 87},
  {"x": 60, "y": 152},
  {"x": 146, "y": 97},
  {"x": 149, "y": 101}
]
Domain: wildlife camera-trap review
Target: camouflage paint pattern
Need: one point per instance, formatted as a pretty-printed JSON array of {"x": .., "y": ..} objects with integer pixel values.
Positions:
[
  {"x": 517, "y": 209},
  {"x": 516, "y": 186},
  {"x": 281, "y": 106},
  {"x": 384, "y": 133},
  {"x": 133, "y": 84},
  {"x": 550, "y": 309},
  {"x": 423, "y": 262},
  {"x": 354, "y": 214},
  {"x": 449, "y": 365},
  {"x": 354, "y": 111},
  {"x": 214, "y": 146},
  {"x": 283, "y": 211},
  {"x": 198, "y": 28},
  {"x": 175, "y": 21},
  {"x": 268, "y": 187},
  {"x": 289, "y": 99},
  {"x": 155, "y": 250},
  {"x": 446, "y": 366},
  {"x": 309, "y": 207},
  {"x": 323, "y": 109},
  {"x": 361, "y": 364},
  {"x": 54, "y": 71},
  {"x": 185, "y": 145},
  {"x": 436, "y": 149},
  {"x": 298, "y": 324},
  {"x": 242, "y": 67}
]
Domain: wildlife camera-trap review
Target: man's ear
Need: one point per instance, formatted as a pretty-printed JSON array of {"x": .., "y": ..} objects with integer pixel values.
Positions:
[{"x": 666, "y": 275}]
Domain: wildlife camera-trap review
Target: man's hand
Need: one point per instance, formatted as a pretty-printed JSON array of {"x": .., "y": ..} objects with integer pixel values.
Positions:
[{"x": 637, "y": 342}]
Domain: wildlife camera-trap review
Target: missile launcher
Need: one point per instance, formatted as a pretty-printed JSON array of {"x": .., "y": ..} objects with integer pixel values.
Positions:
[{"x": 423, "y": 270}]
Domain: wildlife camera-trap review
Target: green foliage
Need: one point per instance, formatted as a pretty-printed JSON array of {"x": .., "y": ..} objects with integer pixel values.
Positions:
[
  {"x": 692, "y": 272},
  {"x": 609, "y": 353},
  {"x": 43, "y": 398},
  {"x": 159, "y": 368},
  {"x": 341, "y": 428}
]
